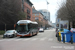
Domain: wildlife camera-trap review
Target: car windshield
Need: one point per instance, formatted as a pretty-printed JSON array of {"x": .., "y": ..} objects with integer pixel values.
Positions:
[
  {"x": 9, "y": 31},
  {"x": 22, "y": 28}
]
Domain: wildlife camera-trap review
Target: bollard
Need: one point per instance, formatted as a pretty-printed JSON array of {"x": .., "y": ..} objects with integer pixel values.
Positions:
[
  {"x": 63, "y": 39},
  {"x": 59, "y": 39},
  {"x": 71, "y": 39}
]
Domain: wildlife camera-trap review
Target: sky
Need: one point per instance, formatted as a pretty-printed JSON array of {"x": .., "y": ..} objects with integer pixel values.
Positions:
[{"x": 53, "y": 6}]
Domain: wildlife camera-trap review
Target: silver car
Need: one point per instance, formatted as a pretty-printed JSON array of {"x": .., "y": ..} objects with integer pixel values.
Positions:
[{"x": 10, "y": 33}]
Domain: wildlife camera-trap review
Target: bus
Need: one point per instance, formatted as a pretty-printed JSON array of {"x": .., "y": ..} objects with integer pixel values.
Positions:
[{"x": 26, "y": 28}]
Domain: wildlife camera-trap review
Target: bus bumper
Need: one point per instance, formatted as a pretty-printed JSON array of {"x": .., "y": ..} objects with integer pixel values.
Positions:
[{"x": 24, "y": 35}]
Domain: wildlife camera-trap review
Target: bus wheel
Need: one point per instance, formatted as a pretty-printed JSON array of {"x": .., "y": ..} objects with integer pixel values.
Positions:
[{"x": 36, "y": 33}]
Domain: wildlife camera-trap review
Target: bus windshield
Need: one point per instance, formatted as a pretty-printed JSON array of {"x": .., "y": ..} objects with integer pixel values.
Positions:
[{"x": 22, "y": 28}]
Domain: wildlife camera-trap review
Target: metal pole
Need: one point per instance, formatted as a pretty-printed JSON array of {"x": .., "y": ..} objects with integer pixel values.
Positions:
[
  {"x": 47, "y": 8},
  {"x": 5, "y": 27}
]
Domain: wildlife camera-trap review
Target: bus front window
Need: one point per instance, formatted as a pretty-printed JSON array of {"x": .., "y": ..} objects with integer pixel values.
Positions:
[{"x": 22, "y": 28}]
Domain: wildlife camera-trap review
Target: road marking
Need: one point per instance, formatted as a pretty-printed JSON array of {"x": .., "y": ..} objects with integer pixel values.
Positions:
[
  {"x": 10, "y": 39},
  {"x": 34, "y": 39},
  {"x": 18, "y": 39},
  {"x": 31, "y": 39},
  {"x": 1, "y": 40},
  {"x": 50, "y": 39},
  {"x": 26, "y": 39},
  {"x": 42, "y": 39}
]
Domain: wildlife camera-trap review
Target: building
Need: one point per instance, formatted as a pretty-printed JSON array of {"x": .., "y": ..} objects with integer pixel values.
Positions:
[
  {"x": 46, "y": 14},
  {"x": 39, "y": 17},
  {"x": 27, "y": 8}
]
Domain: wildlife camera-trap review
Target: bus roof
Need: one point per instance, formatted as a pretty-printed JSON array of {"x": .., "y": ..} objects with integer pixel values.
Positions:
[{"x": 26, "y": 22}]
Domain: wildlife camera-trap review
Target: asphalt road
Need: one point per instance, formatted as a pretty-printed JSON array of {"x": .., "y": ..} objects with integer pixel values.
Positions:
[{"x": 43, "y": 41}]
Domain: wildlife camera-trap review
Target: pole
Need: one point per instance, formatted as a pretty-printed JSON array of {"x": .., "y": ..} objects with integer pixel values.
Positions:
[
  {"x": 47, "y": 9},
  {"x": 5, "y": 27}
]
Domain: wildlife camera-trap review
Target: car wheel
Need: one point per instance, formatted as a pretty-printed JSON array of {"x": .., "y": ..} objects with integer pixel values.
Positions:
[
  {"x": 3, "y": 36},
  {"x": 13, "y": 35}
]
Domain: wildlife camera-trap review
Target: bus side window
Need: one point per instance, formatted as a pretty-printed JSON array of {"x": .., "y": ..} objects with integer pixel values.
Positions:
[{"x": 29, "y": 27}]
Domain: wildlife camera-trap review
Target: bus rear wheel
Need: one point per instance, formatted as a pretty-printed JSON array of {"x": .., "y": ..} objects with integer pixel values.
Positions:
[{"x": 36, "y": 33}]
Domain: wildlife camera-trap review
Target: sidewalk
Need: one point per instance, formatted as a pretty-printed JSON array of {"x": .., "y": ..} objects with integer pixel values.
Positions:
[{"x": 1, "y": 36}]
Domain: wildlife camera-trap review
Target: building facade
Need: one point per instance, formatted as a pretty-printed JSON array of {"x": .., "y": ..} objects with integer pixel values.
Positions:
[
  {"x": 38, "y": 17},
  {"x": 27, "y": 8},
  {"x": 46, "y": 14}
]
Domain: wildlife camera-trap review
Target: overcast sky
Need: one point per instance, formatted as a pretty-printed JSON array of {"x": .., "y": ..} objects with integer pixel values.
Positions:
[{"x": 53, "y": 6}]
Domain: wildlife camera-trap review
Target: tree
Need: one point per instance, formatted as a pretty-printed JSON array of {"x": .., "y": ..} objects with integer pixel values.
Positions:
[
  {"x": 67, "y": 11},
  {"x": 10, "y": 11}
]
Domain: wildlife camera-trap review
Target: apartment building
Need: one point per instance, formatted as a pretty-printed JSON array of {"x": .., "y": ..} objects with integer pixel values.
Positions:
[{"x": 27, "y": 8}]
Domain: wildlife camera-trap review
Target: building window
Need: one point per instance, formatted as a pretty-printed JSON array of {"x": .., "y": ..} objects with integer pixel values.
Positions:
[
  {"x": 36, "y": 14},
  {"x": 36, "y": 18},
  {"x": 23, "y": 5},
  {"x": 28, "y": 17},
  {"x": 28, "y": 11}
]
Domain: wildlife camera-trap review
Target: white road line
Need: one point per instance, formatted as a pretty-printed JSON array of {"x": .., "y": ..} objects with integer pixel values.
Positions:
[
  {"x": 18, "y": 39},
  {"x": 1, "y": 40},
  {"x": 26, "y": 39},
  {"x": 10, "y": 39},
  {"x": 50, "y": 39},
  {"x": 42, "y": 39},
  {"x": 34, "y": 39}
]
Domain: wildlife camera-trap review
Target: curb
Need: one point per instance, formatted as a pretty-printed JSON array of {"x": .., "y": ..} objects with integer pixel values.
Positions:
[{"x": 67, "y": 43}]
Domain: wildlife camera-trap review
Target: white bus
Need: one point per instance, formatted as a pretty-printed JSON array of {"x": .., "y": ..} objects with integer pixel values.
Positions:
[{"x": 26, "y": 28}]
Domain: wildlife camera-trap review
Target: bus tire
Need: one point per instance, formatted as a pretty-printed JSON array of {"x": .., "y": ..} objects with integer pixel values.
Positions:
[{"x": 36, "y": 33}]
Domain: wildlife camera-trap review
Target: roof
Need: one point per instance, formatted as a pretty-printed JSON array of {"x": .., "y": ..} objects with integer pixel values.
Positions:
[
  {"x": 30, "y": 2},
  {"x": 35, "y": 11},
  {"x": 26, "y": 22}
]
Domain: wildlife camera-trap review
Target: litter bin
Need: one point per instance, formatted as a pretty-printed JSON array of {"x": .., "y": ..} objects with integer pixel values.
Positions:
[
  {"x": 68, "y": 37},
  {"x": 73, "y": 34},
  {"x": 59, "y": 36},
  {"x": 62, "y": 36}
]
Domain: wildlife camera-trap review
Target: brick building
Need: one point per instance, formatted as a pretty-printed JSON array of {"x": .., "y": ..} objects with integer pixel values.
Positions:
[
  {"x": 27, "y": 8},
  {"x": 39, "y": 17}
]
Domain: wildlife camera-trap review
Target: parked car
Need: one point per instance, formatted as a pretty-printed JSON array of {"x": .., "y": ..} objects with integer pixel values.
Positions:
[
  {"x": 41, "y": 29},
  {"x": 10, "y": 33}
]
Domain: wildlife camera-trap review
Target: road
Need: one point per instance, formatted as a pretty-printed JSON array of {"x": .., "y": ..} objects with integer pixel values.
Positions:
[{"x": 43, "y": 41}]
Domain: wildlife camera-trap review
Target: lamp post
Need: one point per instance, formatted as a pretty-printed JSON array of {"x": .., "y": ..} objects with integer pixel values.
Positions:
[{"x": 47, "y": 9}]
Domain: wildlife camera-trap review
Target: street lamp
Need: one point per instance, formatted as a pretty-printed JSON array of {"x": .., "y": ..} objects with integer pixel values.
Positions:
[{"x": 47, "y": 7}]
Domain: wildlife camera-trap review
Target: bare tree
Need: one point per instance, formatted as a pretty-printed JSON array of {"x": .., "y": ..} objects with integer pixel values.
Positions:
[
  {"x": 10, "y": 11},
  {"x": 67, "y": 11}
]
